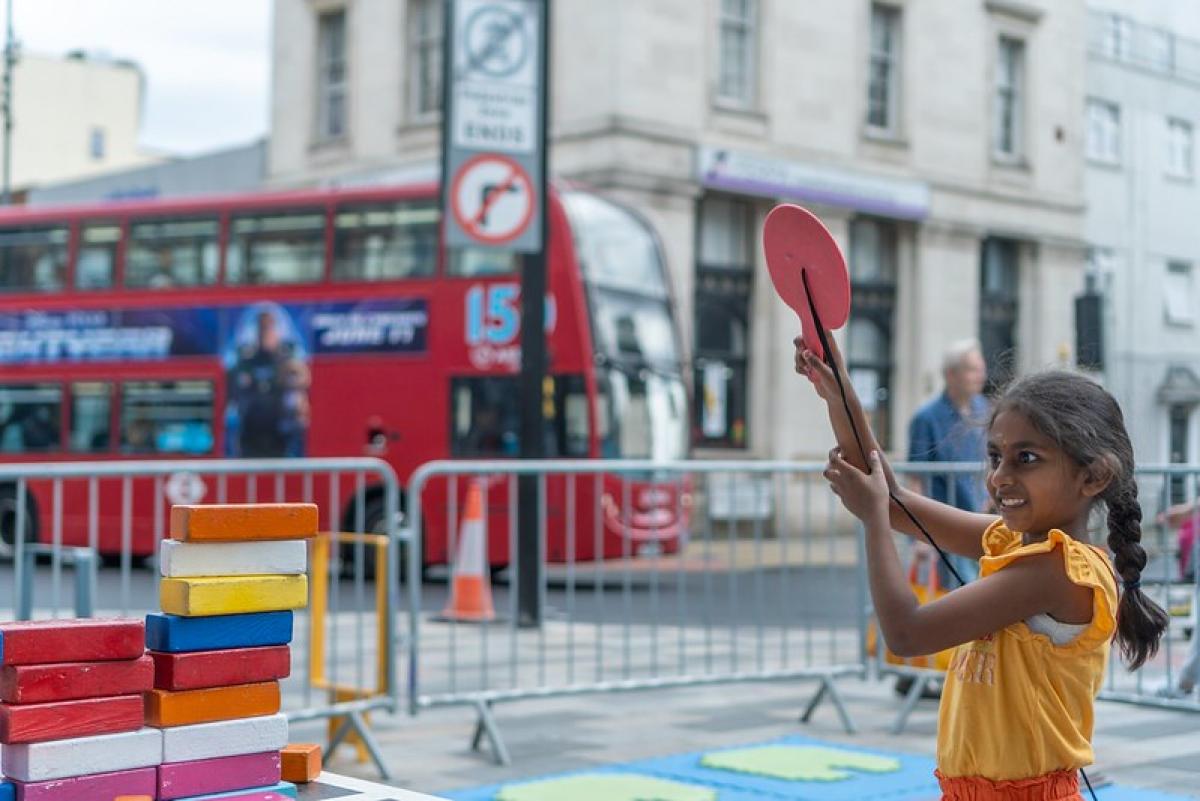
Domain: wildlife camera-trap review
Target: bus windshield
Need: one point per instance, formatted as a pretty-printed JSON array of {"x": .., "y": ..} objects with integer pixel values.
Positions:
[
  {"x": 643, "y": 402},
  {"x": 643, "y": 415}
]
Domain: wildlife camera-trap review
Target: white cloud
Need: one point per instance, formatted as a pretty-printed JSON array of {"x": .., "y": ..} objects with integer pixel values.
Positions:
[{"x": 206, "y": 62}]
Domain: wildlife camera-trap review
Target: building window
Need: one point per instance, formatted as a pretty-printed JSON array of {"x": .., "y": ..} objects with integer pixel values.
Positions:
[
  {"x": 1179, "y": 148},
  {"x": 999, "y": 285},
  {"x": 425, "y": 37},
  {"x": 738, "y": 60},
  {"x": 1179, "y": 294},
  {"x": 1160, "y": 49},
  {"x": 1104, "y": 131},
  {"x": 1178, "y": 429},
  {"x": 874, "y": 257},
  {"x": 1118, "y": 37},
  {"x": 331, "y": 75},
  {"x": 1010, "y": 69},
  {"x": 96, "y": 144},
  {"x": 724, "y": 268},
  {"x": 883, "y": 82}
]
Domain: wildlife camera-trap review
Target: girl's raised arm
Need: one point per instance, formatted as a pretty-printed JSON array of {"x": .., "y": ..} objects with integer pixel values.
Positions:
[
  {"x": 1031, "y": 585},
  {"x": 954, "y": 530}
]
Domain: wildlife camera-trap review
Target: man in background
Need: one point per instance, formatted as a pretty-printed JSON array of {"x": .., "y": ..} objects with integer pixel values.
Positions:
[{"x": 951, "y": 428}]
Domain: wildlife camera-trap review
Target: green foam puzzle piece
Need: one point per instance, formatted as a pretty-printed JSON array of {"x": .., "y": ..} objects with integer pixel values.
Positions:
[
  {"x": 605, "y": 787},
  {"x": 799, "y": 763}
]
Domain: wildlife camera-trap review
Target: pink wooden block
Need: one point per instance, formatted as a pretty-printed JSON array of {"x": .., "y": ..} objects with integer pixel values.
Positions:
[
  {"x": 205, "y": 776},
  {"x": 142, "y": 781},
  {"x": 255, "y": 797}
]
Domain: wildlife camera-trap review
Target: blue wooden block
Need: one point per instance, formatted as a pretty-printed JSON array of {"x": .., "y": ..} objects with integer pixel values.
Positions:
[
  {"x": 174, "y": 634},
  {"x": 8, "y": 791},
  {"x": 283, "y": 788}
]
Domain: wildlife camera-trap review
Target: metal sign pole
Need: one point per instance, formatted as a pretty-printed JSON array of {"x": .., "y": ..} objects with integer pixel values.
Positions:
[
  {"x": 533, "y": 370},
  {"x": 494, "y": 197}
]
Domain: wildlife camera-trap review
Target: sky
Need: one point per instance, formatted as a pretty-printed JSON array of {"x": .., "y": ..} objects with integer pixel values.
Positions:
[{"x": 206, "y": 62}]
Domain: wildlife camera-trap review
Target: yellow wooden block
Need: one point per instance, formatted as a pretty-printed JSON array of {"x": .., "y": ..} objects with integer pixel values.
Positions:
[{"x": 232, "y": 595}]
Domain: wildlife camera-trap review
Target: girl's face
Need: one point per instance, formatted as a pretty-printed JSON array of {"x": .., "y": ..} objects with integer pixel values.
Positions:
[{"x": 1034, "y": 484}]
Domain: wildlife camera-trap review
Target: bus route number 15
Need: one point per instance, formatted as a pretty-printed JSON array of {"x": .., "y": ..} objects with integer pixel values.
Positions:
[{"x": 494, "y": 314}]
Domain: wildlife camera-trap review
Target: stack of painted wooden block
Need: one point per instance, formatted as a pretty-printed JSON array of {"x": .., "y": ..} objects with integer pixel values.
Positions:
[
  {"x": 71, "y": 720},
  {"x": 231, "y": 576}
]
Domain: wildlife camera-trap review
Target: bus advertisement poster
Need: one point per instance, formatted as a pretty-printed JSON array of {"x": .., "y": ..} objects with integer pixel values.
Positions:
[{"x": 102, "y": 335}]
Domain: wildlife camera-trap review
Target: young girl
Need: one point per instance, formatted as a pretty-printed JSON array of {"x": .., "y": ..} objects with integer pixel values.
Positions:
[{"x": 1033, "y": 632}]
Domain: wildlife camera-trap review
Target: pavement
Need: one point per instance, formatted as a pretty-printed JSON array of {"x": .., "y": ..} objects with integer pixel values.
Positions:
[{"x": 1136, "y": 747}]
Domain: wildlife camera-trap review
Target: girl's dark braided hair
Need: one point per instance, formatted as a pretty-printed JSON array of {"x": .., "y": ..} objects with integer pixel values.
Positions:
[{"x": 1085, "y": 421}]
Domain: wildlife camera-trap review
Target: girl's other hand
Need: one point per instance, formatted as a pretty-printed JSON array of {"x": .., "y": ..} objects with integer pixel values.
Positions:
[
  {"x": 864, "y": 495},
  {"x": 815, "y": 370}
]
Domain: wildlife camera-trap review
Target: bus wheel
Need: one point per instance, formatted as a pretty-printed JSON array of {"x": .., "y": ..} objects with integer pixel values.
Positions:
[
  {"x": 374, "y": 522},
  {"x": 8, "y": 522}
]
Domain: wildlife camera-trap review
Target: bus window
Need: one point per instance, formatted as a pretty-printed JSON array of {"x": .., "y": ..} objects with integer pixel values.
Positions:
[
  {"x": 97, "y": 256},
  {"x": 635, "y": 330},
  {"x": 30, "y": 418},
  {"x": 469, "y": 262},
  {"x": 91, "y": 402},
  {"x": 377, "y": 243},
  {"x": 616, "y": 249},
  {"x": 167, "y": 417},
  {"x": 33, "y": 259},
  {"x": 642, "y": 414},
  {"x": 487, "y": 417},
  {"x": 167, "y": 253},
  {"x": 571, "y": 418},
  {"x": 276, "y": 249}
]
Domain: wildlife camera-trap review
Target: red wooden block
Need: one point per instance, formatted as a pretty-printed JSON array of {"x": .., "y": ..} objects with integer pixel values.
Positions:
[
  {"x": 197, "y": 670},
  {"x": 33, "y": 723},
  {"x": 36, "y": 684},
  {"x": 40, "y": 642}
]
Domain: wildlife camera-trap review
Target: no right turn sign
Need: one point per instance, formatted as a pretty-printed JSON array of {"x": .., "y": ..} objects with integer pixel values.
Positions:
[{"x": 492, "y": 198}]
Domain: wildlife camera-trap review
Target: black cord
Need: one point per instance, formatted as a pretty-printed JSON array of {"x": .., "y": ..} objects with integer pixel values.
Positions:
[
  {"x": 824, "y": 340},
  {"x": 823, "y": 337}
]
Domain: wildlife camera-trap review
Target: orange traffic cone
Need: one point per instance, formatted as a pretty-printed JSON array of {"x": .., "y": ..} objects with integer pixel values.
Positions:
[{"x": 470, "y": 587}]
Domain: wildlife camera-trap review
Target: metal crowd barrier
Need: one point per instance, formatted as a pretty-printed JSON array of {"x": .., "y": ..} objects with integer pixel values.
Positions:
[
  {"x": 762, "y": 583},
  {"x": 343, "y": 649},
  {"x": 1156, "y": 684},
  {"x": 768, "y": 583}
]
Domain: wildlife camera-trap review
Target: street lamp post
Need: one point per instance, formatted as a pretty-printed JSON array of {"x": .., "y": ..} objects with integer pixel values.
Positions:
[{"x": 10, "y": 59}]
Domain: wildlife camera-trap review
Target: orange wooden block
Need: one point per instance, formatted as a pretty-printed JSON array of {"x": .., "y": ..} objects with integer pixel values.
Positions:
[
  {"x": 133, "y": 798},
  {"x": 165, "y": 708},
  {"x": 301, "y": 762},
  {"x": 232, "y": 522}
]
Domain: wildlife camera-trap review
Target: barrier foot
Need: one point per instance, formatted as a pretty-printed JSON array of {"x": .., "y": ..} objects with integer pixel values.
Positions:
[
  {"x": 485, "y": 724},
  {"x": 829, "y": 688},
  {"x": 354, "y": 721},
  {"x": 910, "y": 703}
]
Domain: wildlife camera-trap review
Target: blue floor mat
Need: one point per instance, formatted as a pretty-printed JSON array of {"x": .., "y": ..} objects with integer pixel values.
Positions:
[{"x": 913, "y": 781}]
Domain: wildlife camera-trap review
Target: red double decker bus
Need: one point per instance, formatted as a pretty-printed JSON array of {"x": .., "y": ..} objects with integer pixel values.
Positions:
[{"x": 332, "y": 323}]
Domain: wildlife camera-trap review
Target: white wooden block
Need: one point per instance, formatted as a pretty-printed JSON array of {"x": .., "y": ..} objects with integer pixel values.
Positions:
[
  {"x": 224, "y": 738},
  {"x": 266, "y": 558},
  {"x": 83, "y": 756}
]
